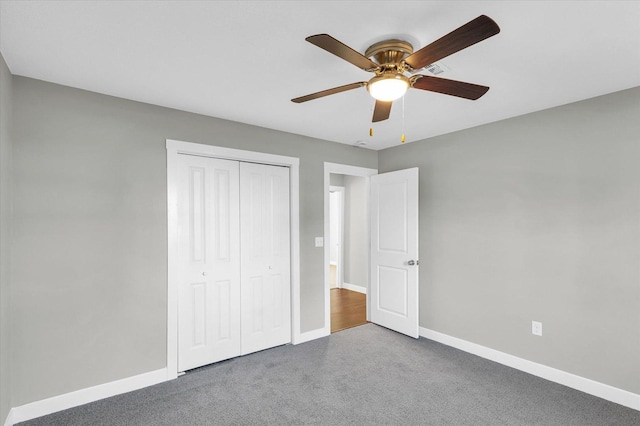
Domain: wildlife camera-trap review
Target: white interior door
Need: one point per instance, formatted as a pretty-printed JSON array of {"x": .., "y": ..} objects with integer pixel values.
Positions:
[
  {"x": 266, "y": 294},
  {"x": 209, "y": 261},
  {"x": 394, "y": 251}
]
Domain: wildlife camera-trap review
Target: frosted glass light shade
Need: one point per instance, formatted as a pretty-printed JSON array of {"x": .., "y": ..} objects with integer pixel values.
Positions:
[{"x": 388, "y": 87}]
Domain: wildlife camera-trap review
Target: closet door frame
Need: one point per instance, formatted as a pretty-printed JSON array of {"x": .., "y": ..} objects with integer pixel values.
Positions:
[{"x": 175, "y": 148}]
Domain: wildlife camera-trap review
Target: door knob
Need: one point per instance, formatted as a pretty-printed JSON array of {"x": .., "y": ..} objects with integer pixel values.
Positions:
[{"x": 413, "y": 262}]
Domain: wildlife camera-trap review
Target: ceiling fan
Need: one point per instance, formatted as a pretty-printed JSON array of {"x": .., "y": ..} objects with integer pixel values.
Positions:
[{"x": 392, "y": 60}]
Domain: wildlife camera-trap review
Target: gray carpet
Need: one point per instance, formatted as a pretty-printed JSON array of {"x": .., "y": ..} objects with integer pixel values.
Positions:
[{"x": 361, "y": 376}]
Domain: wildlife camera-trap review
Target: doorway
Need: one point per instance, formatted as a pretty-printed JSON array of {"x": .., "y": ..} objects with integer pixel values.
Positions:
[{"x": 347, "y": 246}]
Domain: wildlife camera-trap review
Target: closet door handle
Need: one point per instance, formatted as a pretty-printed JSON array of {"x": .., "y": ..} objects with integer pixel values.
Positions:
[{"x": 413, "y": 262}]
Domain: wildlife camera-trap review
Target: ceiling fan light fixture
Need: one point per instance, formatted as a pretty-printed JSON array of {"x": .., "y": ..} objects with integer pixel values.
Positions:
[{"x": 388, "y": 86}]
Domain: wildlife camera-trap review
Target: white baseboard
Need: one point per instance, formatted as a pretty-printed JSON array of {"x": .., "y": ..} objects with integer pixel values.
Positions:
[
  {"x": 9, "y": 421},
  {"x": 311, "y": 335},
  {"x": 73, "y": 399},
  {"x": 354, "y": 287},
  {"x": 601, "y": 390}
]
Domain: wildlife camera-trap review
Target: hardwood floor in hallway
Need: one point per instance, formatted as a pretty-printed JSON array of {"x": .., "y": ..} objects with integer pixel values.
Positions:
[{"x": 348, "y": 309}]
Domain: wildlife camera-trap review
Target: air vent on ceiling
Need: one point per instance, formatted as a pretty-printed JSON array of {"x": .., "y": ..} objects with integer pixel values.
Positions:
[{"x": 437, "y": 68}]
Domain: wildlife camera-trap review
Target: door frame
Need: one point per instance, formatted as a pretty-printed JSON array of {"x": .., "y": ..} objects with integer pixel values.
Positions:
[
  {"x": 175, "y": 148},
  {"x": 340, "y": 260},
  {"x": 342, "y": 169}
]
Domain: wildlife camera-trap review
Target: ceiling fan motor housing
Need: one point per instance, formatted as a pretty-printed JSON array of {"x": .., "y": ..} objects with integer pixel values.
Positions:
[{"x": 389, "y": 52}]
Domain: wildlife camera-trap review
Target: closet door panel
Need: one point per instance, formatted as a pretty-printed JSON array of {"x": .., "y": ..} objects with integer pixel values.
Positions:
[
  {"x": 264, "y": 224},
  {"x": 209, "y": 261}
]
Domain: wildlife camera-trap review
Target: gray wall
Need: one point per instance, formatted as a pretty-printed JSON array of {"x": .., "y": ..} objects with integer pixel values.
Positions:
[
  {"x": 336, "y": 179},
  {"x": 356, "y": 249},
  {"x": 90, "y": 242},
  {"x": 5, "y": 234},
  {"x": 536, "y": 218}
]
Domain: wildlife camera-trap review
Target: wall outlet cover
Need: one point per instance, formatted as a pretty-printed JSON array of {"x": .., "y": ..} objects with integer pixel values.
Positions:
[
  {"x": 536, "y": 328},
  {"x": 319, "y": 241}
]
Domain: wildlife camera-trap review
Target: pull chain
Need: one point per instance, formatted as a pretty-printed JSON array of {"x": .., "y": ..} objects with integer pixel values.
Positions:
[{"x": 402, "y": 139}]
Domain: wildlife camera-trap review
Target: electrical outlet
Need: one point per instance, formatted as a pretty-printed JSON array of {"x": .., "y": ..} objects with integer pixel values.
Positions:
[
  {"x": 536, "y": 328},
  {"x": 319, "y": 241}
]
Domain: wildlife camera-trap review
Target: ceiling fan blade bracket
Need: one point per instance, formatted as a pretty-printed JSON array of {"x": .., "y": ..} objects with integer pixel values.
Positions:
[
  {"x": 414, "y": 78},
  {"x": 406, "y": 67}
]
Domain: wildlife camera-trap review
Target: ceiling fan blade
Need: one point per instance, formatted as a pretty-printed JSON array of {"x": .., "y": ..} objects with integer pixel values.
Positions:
[
  {"x": 381, "y": 111},
  {"x": 331, "y": 45},
  {"x": 467, "y": 35},
  {"x": 450, "y": 87},
  {"x": 328, "y": 92}
]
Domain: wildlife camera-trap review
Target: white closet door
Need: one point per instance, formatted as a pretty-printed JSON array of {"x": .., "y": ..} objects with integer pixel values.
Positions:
[
  {"x": 209, "y": 261},
  {"x": 264, "y": 219}
]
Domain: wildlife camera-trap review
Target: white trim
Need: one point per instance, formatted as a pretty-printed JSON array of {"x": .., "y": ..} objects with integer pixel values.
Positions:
[
  {"x": 172, "y": 266},
  {"x": 202, "y": 150},
  {"x": 342, "y": 169},
  {"x": 354, "y": 287},
  {"x": 312, "y": 335},
  {"x": 9, "y": 420},
  {"x": 84, "y": 396},
  {"x": 601, "y": 390},
  {"x": 174, "y": 148}
]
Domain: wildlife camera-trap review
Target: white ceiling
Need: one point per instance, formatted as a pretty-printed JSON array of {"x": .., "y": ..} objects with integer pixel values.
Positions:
[{"x": 245, "y": 60}]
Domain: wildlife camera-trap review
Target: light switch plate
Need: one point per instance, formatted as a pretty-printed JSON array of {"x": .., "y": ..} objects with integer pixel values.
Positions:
[{"x": 319, "y": 241}]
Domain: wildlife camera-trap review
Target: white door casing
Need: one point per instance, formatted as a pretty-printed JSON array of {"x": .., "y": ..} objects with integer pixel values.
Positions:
[
  {"x": 394, "y": 251},
  {"x": 209, "y": 261},
  {"x": 265, "y": 282}
]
